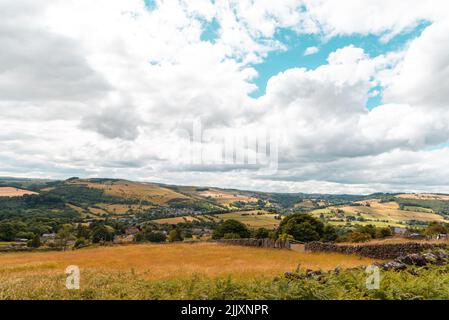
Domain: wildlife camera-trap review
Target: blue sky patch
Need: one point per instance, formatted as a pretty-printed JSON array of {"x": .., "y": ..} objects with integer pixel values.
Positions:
[
  {"x": 210, "y": 31},
  {"x": 293, "y": 57},
  {"x": 150, "y": 4}
]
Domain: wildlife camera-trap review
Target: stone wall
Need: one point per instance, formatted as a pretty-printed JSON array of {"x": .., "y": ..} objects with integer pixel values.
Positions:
[
  {"x": 263, "y": 243},
  {"x": 376, "y": 251}
]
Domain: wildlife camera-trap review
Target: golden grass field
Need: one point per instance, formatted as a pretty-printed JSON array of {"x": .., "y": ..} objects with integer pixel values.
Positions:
[
  {"x": 175, "y": 261},
  {"x": 14, "y": 192}
]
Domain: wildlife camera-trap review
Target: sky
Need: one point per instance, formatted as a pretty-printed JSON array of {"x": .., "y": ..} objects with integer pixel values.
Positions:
[{"x": 315, "y": 96}]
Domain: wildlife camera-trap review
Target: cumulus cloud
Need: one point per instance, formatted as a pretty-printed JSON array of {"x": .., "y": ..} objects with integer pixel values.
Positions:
[
  {"x": 422, "y": 78},
  {"x": 112, "y": 88}
]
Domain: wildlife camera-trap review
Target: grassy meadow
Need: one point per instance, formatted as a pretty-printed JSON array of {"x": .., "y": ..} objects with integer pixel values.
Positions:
[
  {"x": 207, "y": 271},
  {"x": 107, "y": 271}
]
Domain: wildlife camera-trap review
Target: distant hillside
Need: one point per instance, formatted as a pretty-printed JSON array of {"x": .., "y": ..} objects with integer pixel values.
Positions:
[{"x": 118, "y": 199}]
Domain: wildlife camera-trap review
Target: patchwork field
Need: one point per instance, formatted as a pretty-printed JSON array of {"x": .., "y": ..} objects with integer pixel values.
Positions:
[
  {"x": 176, "y": 220},
  {"x": 252, "y": 219},
  {"x": 423, "y": 196},
  {"x": 134, "y": 190},
  {"x": 375, "y": 211},
  {"x": 14, "y": 192},
  {"x": 225, "y": 197}
]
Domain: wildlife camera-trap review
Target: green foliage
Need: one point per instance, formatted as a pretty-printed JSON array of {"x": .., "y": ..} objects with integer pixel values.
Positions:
[
  {"x": 383, "y": 233},
  {"x": 155, "y": 236},
  {"x": 285, "y": 236},
  {"x": 35, "y": 242},
  {"x": 302, "y": 227},
  {"x": 175, "y": 235},
  {"x": 102, "y": 233},
  {"x": 80, "y": 242},
  {"x": 357, "y": 236},
  {"x": 261, "y": 233},
  {"x": 436, "y": 228},
  {"x": 64, "y": 235},
  {"x": 329, "y": 233},
  {"x": 231, "y": 236},
  {"x": 368, "y": 229},
  {"x": 231, "y": 226},
  {"x": 438, "y": 206}
]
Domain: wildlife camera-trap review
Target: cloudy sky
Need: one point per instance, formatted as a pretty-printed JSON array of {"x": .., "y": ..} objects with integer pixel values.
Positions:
[{"x": 353, "y": 95}]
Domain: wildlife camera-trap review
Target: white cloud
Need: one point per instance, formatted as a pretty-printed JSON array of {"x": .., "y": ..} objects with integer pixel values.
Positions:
[
  {"x": 422, "y": 78},
  {"x": 105, "y": 88},
  {"x": 311, "y": 50}
]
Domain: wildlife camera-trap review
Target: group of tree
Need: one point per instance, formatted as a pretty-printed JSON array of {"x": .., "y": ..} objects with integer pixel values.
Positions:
[
  {"x": 365, "y": 233},
  {"x": 305, "y": 228},
  {"x": 300, "y": 227}
]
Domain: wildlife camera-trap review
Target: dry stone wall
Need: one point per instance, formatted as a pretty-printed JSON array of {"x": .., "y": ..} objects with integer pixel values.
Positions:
[
  {"x": 263, "y": 243},
  {"x": 376, "y": 251}
]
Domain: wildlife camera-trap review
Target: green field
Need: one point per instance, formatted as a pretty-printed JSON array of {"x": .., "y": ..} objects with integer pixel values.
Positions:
[
  {"x": 253, "y": 219},
  {"x": 375, "y": 212}
]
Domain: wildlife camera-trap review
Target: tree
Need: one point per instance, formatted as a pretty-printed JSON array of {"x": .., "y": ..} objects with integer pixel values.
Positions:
[
  {"x": 231, "y": 236},
  {"x": 8, "y": 231},
  {"x": 175, "y": 235},
  {"x": 35, "y": 242},
  {"x": 64, "y": 235},
  {"x": 262, "y": 233},
  {"x": 302, "y": 227},
  {"x": 383, "y": 233},
  {"x": 231, "y": 226},
  {"x": 329, "y": 233},
  {"x": 102, "y": 233},
  {"x": 140, "y": 237},
  {"x": 369, "y": 229},
  {"x": 435, "y": 228},
  {"x": 357, "y": 236},
  {"x": 82, "y": 231},
  {"x": 80, "y": 242},
  {"x": 155, "y": 236}
]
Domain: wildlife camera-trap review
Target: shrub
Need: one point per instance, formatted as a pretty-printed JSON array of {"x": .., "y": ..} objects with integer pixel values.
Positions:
[
  {"x": 302, "y": 227},
  {"x": 231, "y": 226},
  {"x": 356, "y": 236},
  {"x": 35, "y": 242},
  {"x": 435, "y": 228},
  {"x": 231, "y": 236},
  {"x": 175, "y": 235},
  {"x": 329, "y": 233},
  {"x": 155, "y": 236},
  {"x": 261, "y": 233},
  {"x": 383, "y": 233},
  {"x": 80, "y": 242},
  {"x": 102, "y": 233}
]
